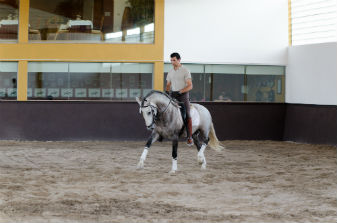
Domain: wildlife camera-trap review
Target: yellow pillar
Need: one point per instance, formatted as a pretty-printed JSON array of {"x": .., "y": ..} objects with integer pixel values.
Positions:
[
  {"x": 23, "y": 39},
  {"x": 289, "y": 23},
  {"x": 23, "y": 21},
  {"x": 22, "y": 80},
  {"x": 158, "y": 82}
]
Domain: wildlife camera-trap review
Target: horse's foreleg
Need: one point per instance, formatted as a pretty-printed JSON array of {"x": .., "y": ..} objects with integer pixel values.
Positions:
[
  {"x": 150, "y": 141},
  {"x": 174, "y": 156}
]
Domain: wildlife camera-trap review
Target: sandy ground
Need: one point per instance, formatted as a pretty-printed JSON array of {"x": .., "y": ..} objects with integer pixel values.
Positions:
[{"x": 249, "y": 181}]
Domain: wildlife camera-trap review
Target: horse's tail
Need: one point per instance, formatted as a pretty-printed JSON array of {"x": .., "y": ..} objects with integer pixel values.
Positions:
[{"x": 213, "y": 140}]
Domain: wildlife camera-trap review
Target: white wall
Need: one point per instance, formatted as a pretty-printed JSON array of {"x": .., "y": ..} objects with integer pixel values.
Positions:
[
  {"x": 227, "y": 31},
  {"x": 312, "y": 74}
]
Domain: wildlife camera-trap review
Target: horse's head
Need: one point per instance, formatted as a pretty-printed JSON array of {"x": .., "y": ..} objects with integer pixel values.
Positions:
[{"x": 149, "y": 112}]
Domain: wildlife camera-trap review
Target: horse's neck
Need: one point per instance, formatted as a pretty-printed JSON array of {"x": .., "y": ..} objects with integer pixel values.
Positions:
[{"x": 167, "y": 109}]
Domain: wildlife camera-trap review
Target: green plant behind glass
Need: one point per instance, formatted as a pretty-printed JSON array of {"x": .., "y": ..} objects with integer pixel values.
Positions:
[{"x": 142, "y": 11}]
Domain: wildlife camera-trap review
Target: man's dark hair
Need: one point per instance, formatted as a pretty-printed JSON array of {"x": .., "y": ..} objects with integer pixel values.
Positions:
[{"x": 176, "y": 55}]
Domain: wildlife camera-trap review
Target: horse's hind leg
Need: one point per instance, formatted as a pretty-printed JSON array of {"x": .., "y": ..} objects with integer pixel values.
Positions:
[
  {"x": 203, "y": 141},
  {"x": 197, "y": 143},
  {"x": 196, "y": 140}
]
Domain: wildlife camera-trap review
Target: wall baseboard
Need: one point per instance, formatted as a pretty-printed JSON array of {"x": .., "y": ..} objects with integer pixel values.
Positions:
[
  {"x": 311, "y": 123},
  {"x": 97, "y": 120}
]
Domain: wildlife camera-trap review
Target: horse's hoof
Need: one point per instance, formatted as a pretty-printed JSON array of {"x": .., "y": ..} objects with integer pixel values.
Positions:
[
  {"x": 140, "y": 165},
  {"x": 172, "y": 172},
  {"x": 200, "y": 160}
]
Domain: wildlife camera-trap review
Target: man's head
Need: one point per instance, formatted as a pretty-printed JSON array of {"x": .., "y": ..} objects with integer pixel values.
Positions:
[{"x": 175, "y": 59}]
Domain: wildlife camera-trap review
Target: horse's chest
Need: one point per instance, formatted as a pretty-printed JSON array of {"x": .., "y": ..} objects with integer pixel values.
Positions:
[{"x": 165, "y": 132}]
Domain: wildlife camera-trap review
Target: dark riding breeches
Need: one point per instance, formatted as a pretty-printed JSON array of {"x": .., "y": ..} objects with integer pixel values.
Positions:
[{"x": 184, "y": 98}]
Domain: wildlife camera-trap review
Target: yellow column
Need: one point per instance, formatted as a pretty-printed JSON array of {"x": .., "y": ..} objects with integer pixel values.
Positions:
[
  {"x": 158, "y": 82},
  {"x": 23, "y": 39},
  {"x": 22, "y": 80},
  {"x": 289, "y": 23},
  {"x": 23, "y": 21}
]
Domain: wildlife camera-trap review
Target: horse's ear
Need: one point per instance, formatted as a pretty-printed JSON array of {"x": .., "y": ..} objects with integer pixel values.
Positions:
[{"x": 139, "y": 101}]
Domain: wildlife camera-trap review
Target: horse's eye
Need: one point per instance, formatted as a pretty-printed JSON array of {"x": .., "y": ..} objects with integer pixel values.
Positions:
[{"x": 148, "y": 113}]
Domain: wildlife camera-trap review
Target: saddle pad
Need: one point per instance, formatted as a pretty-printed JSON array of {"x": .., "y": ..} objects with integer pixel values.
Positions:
[{"x": 195, "y": 116}]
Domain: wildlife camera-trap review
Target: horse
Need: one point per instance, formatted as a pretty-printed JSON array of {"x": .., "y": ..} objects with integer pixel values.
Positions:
[{"x": 162, "y": 115}]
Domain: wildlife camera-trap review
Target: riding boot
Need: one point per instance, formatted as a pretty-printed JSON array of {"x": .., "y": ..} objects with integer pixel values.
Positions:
[{"x": 189, "y": 132}]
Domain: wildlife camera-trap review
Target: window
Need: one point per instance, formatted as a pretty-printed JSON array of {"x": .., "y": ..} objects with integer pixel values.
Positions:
[
  {"x": 8, "y": 83},
  {"x": 9, "y": 23},
  {"x": 113, "y": 21},
  {"x": 88, "y": 81},
  {"x": 265, "y": 83},
  {"x": 235, "y": 83},
  {"x": 313, "y": 21},
  {"x": 226, "y": 82}
]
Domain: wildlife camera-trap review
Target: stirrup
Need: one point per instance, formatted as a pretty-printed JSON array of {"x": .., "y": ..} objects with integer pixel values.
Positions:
[{"x": 189, "y": 141}]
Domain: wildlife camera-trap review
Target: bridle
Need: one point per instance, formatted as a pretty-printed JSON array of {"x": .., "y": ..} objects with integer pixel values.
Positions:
[{"x": 154, "y": 110}]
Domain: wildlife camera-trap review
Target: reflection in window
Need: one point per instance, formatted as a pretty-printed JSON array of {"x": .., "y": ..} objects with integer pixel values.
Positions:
[
  {"x": 265, "y": 83},
  {"x": 9, "y": 23},
  {"x": 112, "y": 21},
  {"x": 227, "y": 83},
  {"x": 88, "y": 81},
  {"x": 8, "y": 80}
]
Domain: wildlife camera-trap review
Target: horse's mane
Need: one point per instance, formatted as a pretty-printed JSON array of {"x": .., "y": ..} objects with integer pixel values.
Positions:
[{"x": 153, "y": 92}]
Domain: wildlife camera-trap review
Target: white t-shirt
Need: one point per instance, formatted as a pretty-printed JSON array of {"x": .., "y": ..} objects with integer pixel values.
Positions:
[{"x": 178, "y": 78}]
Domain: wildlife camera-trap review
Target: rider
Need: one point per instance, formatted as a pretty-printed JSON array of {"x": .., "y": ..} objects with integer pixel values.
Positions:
[{"x": 179, "y": 80}]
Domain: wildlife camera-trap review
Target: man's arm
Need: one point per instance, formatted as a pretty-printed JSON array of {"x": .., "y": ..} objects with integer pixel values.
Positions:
[
  {"x": 168, "y": 86},
  {"x": 188, "y": 87}
]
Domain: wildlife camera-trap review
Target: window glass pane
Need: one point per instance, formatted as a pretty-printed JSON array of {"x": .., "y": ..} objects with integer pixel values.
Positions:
[
  {"x": 88, "y": 81},
  {"x": 8, "y": 83},
  {"x": 113, "y": 21},
  {"x": 265, "y": 70},
  {"x": 265, "y": 83},
  {"x": 224, "y": 69},
  {"x": 222, "y": 82},
  {"x": 9, "y": 22},
  {"x": 227, "y": 87},
  {"x": 226, "y": 82},
  {"x": 201, "y": 87}
]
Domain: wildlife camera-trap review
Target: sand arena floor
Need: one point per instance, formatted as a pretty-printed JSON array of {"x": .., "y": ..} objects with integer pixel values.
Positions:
[{"x": 249, "y": 181}]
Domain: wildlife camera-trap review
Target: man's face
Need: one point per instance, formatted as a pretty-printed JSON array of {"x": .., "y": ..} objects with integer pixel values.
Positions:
[{"x": 175, "y": 62}]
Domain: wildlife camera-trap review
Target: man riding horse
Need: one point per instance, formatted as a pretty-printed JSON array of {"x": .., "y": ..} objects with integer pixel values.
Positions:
[{"x": 179, "y": 80}]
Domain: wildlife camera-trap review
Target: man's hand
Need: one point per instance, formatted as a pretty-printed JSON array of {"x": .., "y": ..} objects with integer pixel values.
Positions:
[{"x": 175, "y": 94}]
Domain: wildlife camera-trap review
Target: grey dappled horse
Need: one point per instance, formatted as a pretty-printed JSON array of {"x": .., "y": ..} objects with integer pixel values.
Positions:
[{"x": 162, "y": 115}]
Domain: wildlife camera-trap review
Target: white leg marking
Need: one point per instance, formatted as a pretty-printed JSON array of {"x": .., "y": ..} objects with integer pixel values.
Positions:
[
  {"x": 140, "y": 165},
  {"x": 201, "y": 156},
  {"x": 203, "y": 166},
  {"x": 174, "y": 166}
]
